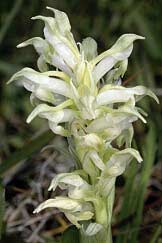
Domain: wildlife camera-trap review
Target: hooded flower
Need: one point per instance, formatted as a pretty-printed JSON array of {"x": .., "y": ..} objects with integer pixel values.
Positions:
[{"x": 83, "y": 99}]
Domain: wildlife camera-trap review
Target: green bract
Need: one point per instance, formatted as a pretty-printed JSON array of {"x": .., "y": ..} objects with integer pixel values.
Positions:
[{"x": 91, "y": 113}]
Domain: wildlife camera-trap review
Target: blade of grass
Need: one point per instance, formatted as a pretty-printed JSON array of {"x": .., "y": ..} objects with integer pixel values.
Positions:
[
  {"x": 29, "y": 149},
  {"x": 2, "y": 207},
  {"x": 149, "y": 152},
  {"x": 157, "y": 233},
  {"x": 9, "y": 19}
]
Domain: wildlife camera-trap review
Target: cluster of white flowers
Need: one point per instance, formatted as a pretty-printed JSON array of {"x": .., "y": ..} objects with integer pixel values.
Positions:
[{"x": 83, "y": 100}]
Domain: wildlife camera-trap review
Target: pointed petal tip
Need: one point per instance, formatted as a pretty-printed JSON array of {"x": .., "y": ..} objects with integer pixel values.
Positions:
[
  {"x": 35, "y": 211},
  {"x": 36, "y": 17},
  {"x": 141, "y": 37},
  {"x": 138, "y": 36},
  {"x": 28, "y": 120},
  {"x": 50, "y": 188},
  {"x": 9, "y": 81},
  {"x": 20, "y": 45},
  {"x": 49, "y": 8},
  {"x": 157, "y": 100}
]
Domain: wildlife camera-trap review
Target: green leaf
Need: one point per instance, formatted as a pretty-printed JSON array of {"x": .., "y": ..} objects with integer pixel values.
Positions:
[{"x": 71, "y": 235}]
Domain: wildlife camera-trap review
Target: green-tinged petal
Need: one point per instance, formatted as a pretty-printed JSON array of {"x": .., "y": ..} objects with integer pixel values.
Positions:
[
  {"x": 63, "y": 203},
  {"x": 117, "y": 119},
  {"x": 93, "y": 229},
  {"x": 39, "y": 44},
  {"x": 61, "y": 20},
  {"x": 47, "y": 112},
  {"x": 116, "y": 165},
  {"x": 118, "y": 161},
  {"x": 42, "y": 48},
  {"x": 49, "y": 21},
  {"x": 75, "y": 217},
  {"x": 65, "y": 52},
  {"x": 115, "y": 74},
  {"x": 141, "y": 91},
  {"x": 80, "y": 71},
  {"x": 121, "y": 44},
  {"x": 105, "y": 185},
  {"x": 45, "y": 95},
  {"x": 64, "y": 28},
  {"x": 115, "y": 94},
  {"x": 53, "y": 36},
  {"x": 126, "y": 137},
  {"x": 59, "y": 63},
  {"x": 89, "y": 48},
  {"x": 68, "y": 179},
  {"x": 91, "y": 140},
  {"x": 59, "y": 130},
  {"x": 57, "y": 74},
  {"x": 42, "y": 65},
  {"x": 89, "y": 167},
  {"x": 87, "y": 107},
  {"x": 88, "y": 80},
  {"x": 108, "y": 62},
  {"x": 95, "y": 158},
  {"x": 85, "y": 193},
  {"x": 55, "y": 85}
]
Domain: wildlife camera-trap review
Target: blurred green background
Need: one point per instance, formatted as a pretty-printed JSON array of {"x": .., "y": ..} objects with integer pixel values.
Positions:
[{"x": 105, "y": 21}]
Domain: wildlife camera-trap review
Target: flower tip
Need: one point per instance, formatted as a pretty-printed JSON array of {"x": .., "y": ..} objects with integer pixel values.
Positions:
[
  {"x": 50, "y": 188},
  {"x": 28, "y": 120},
  {"x": 35, "y": 211},
  {"x": 10, "y": 80},
  {"x": 157, "y": 100},
  {"x": 143, "y": 38},
  {"x": 35, "y": 17},
  {"x": 20, "y": 45},
  {"x": 49, "y": 8}
]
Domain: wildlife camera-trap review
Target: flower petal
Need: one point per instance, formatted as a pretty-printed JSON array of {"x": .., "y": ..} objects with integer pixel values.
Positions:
[
  {"x": 93, "y": 229},
  {"x": 116, "y": 94},
  {"x": 39, "y": 44},
  {"x": 89, "y": 48},
  {"x": 53, "y": 84},
  {"x": 61, "y": 20},
  {"x": 63, "y": 203},
  {"x": 68, "y": 179},
  {"x": 108, "y": 62},
  {"x": 54, "y": 114},
  {"x": 121, "y": 44}
]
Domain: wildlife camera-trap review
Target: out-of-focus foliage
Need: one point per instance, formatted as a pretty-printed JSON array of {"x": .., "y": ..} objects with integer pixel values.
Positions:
[{"x": 104, "y": 20}]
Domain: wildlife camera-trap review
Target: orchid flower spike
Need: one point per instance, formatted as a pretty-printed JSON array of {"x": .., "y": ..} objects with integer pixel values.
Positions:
[{"x": 83, "y": 99}]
